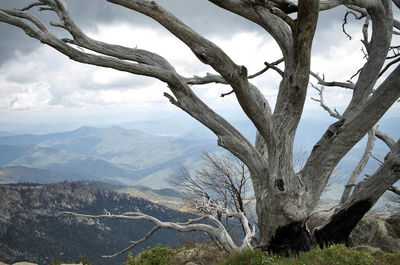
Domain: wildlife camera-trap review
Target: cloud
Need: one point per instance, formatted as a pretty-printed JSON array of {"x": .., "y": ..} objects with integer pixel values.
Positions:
[
  {"x": 204, "y": 17},
  {"x": 35, "y": 77},
  {"x": 14, "y": 96}
]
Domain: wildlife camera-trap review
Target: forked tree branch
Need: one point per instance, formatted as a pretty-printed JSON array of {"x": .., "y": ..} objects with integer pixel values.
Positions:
[{"x": 333, "y": 113}]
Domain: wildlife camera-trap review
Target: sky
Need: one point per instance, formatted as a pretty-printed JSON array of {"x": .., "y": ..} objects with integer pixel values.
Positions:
[{"x": 38, "y": 85}]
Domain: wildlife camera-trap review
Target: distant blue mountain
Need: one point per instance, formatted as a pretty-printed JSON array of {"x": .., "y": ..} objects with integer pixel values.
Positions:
[
  {"x": 105, "y": 154},
  {"x": 147, "y": 152}
]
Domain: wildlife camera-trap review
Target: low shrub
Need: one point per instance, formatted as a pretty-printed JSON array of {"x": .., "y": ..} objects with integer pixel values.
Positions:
[{"x": 155, "y": 256}]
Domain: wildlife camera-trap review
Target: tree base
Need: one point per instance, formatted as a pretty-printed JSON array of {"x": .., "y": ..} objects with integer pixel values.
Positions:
[{"x": 290, "y": 240}]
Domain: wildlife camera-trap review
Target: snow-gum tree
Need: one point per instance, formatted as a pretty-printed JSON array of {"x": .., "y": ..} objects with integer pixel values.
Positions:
[{"x": 285, "y": 197}]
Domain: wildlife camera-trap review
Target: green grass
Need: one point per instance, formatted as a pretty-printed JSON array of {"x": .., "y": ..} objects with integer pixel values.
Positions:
[{"x": 337, "y": 254}]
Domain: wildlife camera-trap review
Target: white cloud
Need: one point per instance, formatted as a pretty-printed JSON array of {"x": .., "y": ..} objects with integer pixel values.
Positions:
[
  {"x": 47, "y": 79},
  {"x": 15, "y": 96}
]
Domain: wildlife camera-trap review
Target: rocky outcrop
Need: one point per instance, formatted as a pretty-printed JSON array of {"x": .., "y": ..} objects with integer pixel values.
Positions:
[
  {"x": 205, "y": 254},
  {"x": 377, "y": 232},
  {"x": 393, "y": 224}
]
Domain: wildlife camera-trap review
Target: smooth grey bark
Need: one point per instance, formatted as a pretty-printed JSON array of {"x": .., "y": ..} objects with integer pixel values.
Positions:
[
  {"x": 285, "y": 198},
  {"x": 360, "y": 166}
]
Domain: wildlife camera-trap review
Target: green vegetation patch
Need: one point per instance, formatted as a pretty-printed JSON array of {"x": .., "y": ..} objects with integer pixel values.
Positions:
[
  {"x": 155, "y": 256},
  {"x": 337, "y": 254}
]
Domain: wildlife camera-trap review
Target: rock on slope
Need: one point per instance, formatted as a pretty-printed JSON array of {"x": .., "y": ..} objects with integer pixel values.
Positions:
[{"x": 382, "y": 233}]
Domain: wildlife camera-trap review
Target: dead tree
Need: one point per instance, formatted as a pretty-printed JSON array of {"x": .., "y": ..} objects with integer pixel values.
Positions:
[
  {"x": 221, "y": 178},
  {"x": 284, "y": 197},
  {"x": 214, "y": 228}
]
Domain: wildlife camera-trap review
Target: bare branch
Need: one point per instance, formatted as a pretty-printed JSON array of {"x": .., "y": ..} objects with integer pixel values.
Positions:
[
  {"x": 209, "y": 78},
  {"x": 270, "y": 66},
  {"x": 31, "y": 6},
  {"x": 365, "y": 36},
  {"x": 321, "y": 81},
  {"x": 360, "y": 166},
  {"x": 394, "y": 189},
  {"x": 378, "y": 48},
  {"x": 227, "y": 94},
  {"x": 134, "y": 244},
  {"x": 335, "y": 113},
  {"x": 387, "y": 139},
  {"x": 212, "y": 78},
  {"x": 217, "y": 229},
  {"x": 356, "y": 16},
  {"x": 377, "y": 159},
  {"x": 23, "y": 15},
  {"x": 388, "y": 66}
]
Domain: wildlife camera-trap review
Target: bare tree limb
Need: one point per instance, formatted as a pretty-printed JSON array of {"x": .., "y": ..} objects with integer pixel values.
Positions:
[
  {"x": 360, "y": 166},
  {"x": 335, "y": 113},
  {"x": 345, "y": 22},
  {"x": 387, "y": 139},
  {"x": 365, "y": 194},
  {"x": 394, "y": 189},
  {"x": 377, "y": 159},
  {"x": 379, "y": 46},
  {"x": 321, "y": 81},
  {"x": 212, "y": 78},
  {"x": 134, "y": 244},
  {"x": 388, "y": 66},
  {"x": 216, "y": 229}
]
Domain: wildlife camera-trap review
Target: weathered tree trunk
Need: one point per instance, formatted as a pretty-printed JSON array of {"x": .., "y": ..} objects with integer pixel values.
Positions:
[
  {"x": 281, "y": 202},
  {"x": 285, "y": 230}
]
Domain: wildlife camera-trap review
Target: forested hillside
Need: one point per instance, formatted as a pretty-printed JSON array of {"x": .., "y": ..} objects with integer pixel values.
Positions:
[{"x": 31, "y": 228}]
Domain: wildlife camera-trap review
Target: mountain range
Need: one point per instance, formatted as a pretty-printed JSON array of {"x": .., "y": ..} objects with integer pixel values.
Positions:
[
  {"x": 112, "y": 154},
  {"x": 142, "y": 152}
]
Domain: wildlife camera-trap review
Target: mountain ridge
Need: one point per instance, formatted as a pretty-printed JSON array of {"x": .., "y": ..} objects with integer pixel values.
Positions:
[
  {"x": 31, "y": 228},
  {"x": 105, "y": 154}
]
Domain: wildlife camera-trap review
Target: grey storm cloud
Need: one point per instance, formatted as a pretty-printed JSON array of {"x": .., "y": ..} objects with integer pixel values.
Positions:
[{"x": 201, "y": 15}]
